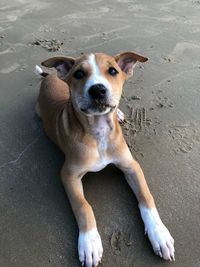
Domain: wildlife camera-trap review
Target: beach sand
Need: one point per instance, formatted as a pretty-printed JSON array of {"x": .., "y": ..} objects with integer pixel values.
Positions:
[{"x": 162, "y": 108}]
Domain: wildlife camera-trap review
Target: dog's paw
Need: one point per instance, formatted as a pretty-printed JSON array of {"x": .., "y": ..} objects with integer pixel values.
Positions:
[
  {"x": 120, "y": 116},
  {"x": 159, "y": 236},
  {"x": 162, "y": 241},
  {"x": 90, "y": 248}
]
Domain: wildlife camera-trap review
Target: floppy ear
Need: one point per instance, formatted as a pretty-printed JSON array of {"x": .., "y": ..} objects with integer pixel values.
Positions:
[
  {"x": 127, "y": 62},
  {"x": 62, "y": 64}
]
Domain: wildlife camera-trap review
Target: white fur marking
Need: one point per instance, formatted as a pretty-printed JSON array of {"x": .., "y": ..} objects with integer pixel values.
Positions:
[
  {"x": 90, "y": 248},
  {"x": 100, "y": 131},
  {"x": 38, "y": 70},
  {"x": 100, "y": 164},
  {"x": 159, "y": 236},
  {"x": 96, "y": 76}
]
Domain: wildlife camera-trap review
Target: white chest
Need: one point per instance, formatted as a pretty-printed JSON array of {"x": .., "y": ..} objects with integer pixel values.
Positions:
[{"x": 101, "y": 131}]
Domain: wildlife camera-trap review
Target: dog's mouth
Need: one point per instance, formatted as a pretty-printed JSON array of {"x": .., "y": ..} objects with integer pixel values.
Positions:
[{"x": 98, "y": 108}]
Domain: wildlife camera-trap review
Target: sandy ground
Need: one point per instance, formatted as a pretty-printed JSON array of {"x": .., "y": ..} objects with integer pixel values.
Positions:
[{"x": 161, "y": 104}]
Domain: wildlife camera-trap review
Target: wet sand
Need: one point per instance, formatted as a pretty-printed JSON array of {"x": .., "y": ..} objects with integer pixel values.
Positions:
[{"x": 161, "y": 104}]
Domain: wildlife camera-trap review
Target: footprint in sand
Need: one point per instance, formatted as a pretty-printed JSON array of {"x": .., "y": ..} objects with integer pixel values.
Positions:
[{"x": 184, "y": 138}]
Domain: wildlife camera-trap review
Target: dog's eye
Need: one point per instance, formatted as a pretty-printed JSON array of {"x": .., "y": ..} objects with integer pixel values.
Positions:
[
  {"x": 79, "y": 74},
  {"x": 112, "y": 71}
]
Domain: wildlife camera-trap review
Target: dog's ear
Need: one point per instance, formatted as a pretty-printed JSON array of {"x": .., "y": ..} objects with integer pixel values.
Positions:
[
  {"x": 127, "y": 62},
  {"x": 62, "y": 64}
]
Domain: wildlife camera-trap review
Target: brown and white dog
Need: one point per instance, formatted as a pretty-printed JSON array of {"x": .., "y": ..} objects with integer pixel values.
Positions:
[{"x": 79, "y": 109}]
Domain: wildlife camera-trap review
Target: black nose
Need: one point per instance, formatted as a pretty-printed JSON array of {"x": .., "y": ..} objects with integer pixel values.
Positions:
[{"x": 97, "y": 91}]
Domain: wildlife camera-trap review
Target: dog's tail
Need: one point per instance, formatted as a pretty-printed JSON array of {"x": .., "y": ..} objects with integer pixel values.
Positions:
[{"x": 40, "y": 72}]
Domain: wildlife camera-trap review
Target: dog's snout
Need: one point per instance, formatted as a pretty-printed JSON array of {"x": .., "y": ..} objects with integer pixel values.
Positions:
[{"x": 97, "y": 91}]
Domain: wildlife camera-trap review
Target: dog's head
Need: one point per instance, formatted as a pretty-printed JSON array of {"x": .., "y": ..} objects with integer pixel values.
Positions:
[{"x": 95, "y": 80}]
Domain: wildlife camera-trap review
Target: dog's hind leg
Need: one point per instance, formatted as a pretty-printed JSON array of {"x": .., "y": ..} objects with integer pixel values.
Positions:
[{"x": 120, "y": 116}]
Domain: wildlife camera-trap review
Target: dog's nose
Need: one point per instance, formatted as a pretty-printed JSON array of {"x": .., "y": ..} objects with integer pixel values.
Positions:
[{"x": 97, "y": 91}]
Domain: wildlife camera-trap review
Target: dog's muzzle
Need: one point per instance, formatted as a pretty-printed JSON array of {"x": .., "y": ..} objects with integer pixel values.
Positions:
[{"x": 98, "y": 100}]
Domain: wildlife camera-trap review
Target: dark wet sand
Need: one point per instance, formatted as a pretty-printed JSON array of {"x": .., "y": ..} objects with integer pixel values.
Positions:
[{"x": 161, "y": 104}]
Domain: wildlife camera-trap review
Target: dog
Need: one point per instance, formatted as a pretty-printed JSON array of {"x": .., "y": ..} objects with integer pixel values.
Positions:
[{"x": 79, "y": 108}]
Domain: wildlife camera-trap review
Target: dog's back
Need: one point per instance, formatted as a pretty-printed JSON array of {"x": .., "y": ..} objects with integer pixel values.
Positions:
[{"x": 53, "y": 96}]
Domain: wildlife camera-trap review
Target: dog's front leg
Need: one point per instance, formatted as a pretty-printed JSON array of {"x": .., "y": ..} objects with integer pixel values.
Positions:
[
  {"x": 89, "y": 242},
  {"x": 159, "y": 236}
]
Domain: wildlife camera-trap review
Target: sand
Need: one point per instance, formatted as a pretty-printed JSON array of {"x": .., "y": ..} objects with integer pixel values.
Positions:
[{"x": 161, "y": 105}]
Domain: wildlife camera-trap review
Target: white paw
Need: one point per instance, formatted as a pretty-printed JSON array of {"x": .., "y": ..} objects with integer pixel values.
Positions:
[
  {"x": 159, "y": 236},
  {"x": 90, "y": 248},
  {"x": 162, "y": 242},
  {"x": 120, "y": 116}
]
